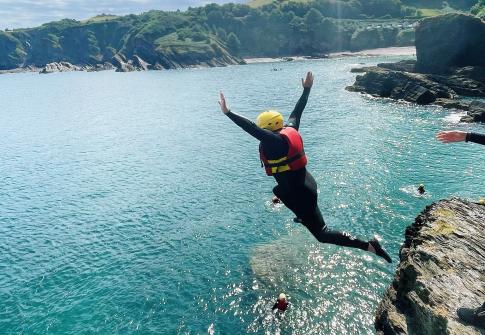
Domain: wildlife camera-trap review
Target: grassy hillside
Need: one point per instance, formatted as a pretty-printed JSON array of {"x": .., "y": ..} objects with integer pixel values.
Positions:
[
  {"x": 259, "y": 3},
  {"x": 203, "y": 33},
  {"x": 422, "y": 8}
]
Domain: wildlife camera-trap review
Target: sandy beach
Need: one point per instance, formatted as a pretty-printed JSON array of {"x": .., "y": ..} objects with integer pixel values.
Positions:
[{"x": 392, "y": 51}]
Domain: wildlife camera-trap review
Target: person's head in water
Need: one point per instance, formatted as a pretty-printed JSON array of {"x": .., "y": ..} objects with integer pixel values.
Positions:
[
  {"x": 271, "y": 120},
  {"x": 276, "y": 200},
  {"x": 421, "y": 189}
]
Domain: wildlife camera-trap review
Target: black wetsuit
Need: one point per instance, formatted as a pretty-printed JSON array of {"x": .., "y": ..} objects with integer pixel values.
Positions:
[
  {"x": 474, "y": 137},
  {"x": 297, "y": 189}
]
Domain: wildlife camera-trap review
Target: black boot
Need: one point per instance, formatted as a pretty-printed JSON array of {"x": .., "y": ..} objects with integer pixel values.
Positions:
[
  {"x": 474, "y": 317},
  {"x": 380, "y": 251}
]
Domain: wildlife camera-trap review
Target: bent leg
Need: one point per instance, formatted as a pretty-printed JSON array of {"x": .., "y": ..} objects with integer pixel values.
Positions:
[
  {"x": 316, "y": 225},
  {"x": 302, "y": 200}
]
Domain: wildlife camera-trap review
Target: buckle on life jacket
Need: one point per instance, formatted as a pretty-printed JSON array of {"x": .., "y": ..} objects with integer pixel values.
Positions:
[{"x": 286, "y": 161}]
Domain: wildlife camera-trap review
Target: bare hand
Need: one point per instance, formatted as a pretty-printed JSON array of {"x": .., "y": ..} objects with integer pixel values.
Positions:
[
  {"x": 223, "y": 105},
  {"x": 451, "y": 136},
  {"x": 308, "y": 82}
]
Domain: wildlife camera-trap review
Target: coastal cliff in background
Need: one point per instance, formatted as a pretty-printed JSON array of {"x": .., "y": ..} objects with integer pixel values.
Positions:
[
  {"x": 215, "y": 35},
  {"x": 209, "y": 36},
  {"x": 148, "y": 41},
  {"x": 441, "y": 270},
  {"x": 450, "y": 63}
]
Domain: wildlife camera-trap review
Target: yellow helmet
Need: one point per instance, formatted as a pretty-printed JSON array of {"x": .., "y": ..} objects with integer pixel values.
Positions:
[{"x": 271, "y": 120}]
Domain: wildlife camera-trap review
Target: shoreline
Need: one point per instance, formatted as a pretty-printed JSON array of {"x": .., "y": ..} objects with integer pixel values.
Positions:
[{"x": 390, "y": 51}]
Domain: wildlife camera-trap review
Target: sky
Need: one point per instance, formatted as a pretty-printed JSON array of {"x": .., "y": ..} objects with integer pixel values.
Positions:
[{"x": 32, "y": 13}]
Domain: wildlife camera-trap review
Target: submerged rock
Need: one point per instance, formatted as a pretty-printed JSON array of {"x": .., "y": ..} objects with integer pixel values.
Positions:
[{"x": 442, "y": 268}]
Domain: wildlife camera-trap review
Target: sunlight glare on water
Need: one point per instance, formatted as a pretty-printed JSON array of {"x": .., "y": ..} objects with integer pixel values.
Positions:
[{"x": 130, "y": 204}]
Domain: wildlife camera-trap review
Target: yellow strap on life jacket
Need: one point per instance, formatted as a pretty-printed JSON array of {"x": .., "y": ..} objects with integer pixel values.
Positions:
[{"x": 280, "y": 168}]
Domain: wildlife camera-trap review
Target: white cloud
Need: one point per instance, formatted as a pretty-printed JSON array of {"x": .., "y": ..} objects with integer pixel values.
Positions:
[{"x": 31, "y": 13}]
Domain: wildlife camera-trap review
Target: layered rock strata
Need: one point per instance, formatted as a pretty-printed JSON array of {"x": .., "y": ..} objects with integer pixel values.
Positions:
[
  {"x": 442, "y": 268},
  {"x": 446, "y": 69}
]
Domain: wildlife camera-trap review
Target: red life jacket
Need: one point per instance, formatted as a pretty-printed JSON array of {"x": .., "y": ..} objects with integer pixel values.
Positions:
[
  {"x": 295, "y": 159},
  {"x": 282, "y": 305}
]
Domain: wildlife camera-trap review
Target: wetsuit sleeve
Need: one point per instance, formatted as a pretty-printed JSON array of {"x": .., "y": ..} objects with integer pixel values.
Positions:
[
  {"x": 252, "y": 129},
  {"x": 275, "y": 306},
  {"x": 476, "y": 138},
  {"x": 294, "y": 119}
]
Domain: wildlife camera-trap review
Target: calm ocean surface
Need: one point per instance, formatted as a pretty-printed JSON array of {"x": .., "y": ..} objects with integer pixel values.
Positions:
[{"x": 129, "y": 204}]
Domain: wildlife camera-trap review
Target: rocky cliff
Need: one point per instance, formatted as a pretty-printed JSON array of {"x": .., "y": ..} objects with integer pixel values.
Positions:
[
  {"x": 442, "y": 268},
  {"x": 153, "y": 40},
  {"x": 450, "y": 64},
  {"x": 449, "y": 41}
]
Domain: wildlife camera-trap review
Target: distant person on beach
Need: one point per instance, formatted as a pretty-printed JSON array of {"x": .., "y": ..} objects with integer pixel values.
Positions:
[
  {"x": 476, "y": 316},
  {"x": 281, "y": 304},
  {"x": 283, "y": 157}
]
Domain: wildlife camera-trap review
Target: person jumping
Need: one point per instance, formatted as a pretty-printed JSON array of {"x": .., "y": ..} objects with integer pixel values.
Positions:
[{"x": 283, "y": 157}]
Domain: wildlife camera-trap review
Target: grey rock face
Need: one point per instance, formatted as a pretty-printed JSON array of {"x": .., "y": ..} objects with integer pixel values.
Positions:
[
  {"x": 68, "y": 67},
  {"x": 140, "y": 64},
  {"x": 121, "y": 63},
  {"x": 60, "y": 67},
  {"x": 476, "y": 112},
  {"x": 442, "y": 268},
  {"x": 452, "y": 40},
  {"x": 451, "y": 63},
  {"x": 403, "y": 66},
  {"x": 412, "y": 87},
  {"x": 452, "y": 104}
]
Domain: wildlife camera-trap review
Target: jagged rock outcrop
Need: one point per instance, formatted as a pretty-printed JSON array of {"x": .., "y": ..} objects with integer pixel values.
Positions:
[
  {"x": 412, "y": 87},
  {"x": 447, "y": 41},
  {"x": 60, "y": 67},
  {"x": 476, "y": 112},
  {"x": 403, "y": 66},
  {"x": 419, "y": 82},
  {"x": 442, "y": 268},
  {"x": 68, "y": 67},
  {"x": 122, "y": 64},
  {"x": 140, "y": 64}
]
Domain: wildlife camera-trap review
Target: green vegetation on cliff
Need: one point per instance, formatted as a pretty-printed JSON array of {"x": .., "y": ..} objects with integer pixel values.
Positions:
[
  {"x": 479, "y": 9},
  {"x": 200, "y": 34}
]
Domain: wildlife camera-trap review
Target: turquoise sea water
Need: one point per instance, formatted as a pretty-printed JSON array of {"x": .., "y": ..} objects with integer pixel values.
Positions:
[{"x": 129, "y": 204}]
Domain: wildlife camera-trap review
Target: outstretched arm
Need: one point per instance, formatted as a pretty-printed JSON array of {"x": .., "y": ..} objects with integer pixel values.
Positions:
[
  {"x": 247, "y": 125},
  {"x": 294, "y": 119},
  {"x": 460, "y": 136},
  {"x": 477, "y": 138}
]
